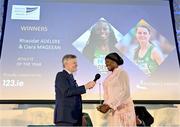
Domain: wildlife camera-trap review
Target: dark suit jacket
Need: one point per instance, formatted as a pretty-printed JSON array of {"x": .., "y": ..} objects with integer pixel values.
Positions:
[
  {"x": 144, "y": 116},
  {"x": 68, "y": 106}
]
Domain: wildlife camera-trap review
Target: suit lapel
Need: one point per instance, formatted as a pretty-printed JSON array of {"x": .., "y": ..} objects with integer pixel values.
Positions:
[{"x": 70, "y": 78}]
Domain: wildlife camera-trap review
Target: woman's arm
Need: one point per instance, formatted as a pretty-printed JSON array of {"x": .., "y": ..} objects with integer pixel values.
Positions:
[{"x": 119, "y": 93}]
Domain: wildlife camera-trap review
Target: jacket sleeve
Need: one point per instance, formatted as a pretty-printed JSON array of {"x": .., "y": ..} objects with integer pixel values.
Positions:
[
  {"x": 62, "y": 85},
  {"x": 144, "y": 115},
  {"x": 147, "y": 119}
]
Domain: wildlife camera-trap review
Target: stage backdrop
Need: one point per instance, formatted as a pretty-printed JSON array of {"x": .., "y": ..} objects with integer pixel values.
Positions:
[{"x": 38, "y": 33}]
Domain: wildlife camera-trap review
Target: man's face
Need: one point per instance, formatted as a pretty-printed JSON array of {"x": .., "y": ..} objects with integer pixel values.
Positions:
[{"x": 71, "y": 64}]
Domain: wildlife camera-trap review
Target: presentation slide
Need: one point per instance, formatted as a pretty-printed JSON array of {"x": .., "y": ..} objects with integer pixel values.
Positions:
[{"x": 39, "y": 33}]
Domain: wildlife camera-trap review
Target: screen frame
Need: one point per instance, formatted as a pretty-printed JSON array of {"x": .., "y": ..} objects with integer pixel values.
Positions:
[
  {"x": 5, "y": 3},
  {"x": 39, "y": 101},
  {"x": 171, "y": 2}
]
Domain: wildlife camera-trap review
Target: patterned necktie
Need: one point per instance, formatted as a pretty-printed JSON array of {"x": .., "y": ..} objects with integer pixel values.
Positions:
[
  {"x": 74, "y": 81},
  {"x": 71, "y": 75}
]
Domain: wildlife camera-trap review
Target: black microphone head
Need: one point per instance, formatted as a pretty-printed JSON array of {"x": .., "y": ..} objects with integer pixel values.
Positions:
[{"x": 97, "y": 76}]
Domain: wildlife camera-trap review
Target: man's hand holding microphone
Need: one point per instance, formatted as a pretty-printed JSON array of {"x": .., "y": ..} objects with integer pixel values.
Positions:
[{"x": 91, "y": 84}]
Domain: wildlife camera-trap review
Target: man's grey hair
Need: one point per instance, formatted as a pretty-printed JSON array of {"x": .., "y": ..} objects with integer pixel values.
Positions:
[{"x": 66, "y": 57}]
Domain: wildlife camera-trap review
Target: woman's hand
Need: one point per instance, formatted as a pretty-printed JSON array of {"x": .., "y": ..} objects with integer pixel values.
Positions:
[
  {"x": 138, "y": 121},
  {"x": 103, "y": 108}
]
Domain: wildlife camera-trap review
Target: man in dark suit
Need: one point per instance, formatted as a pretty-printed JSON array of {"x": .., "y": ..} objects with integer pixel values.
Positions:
[
  {"x": 68, "y": 106},
  {"x": 143, "y": 117}
]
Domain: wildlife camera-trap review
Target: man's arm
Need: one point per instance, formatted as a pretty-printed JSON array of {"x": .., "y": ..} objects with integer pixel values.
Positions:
[
  {"x": 148, "y": 119},
  {"x": 63, "y": 85},
  {"x": 144, "y": 116}
]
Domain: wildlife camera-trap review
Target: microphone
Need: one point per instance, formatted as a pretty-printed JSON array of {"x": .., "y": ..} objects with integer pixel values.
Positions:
[{"x": 97, "y": 76}]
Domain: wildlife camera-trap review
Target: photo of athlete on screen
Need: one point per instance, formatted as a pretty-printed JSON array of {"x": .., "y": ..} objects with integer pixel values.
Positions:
[
  {"x": 145, "y": 47},
  {"x": 100, "y": 41}
]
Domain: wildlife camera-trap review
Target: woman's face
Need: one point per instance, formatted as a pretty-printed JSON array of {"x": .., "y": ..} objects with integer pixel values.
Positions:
[
  {"x": 102, "y": 30},
  {"x": 142, "y": 35},
  {"x": 110, "y": 64}
]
